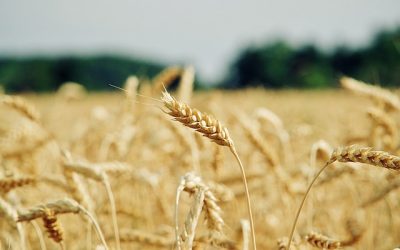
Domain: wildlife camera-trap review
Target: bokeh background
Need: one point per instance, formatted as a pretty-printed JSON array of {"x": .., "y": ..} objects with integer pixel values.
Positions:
[{"x": 231, "y": 44}]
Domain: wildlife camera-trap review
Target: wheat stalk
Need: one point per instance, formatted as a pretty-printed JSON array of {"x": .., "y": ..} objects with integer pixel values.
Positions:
[
  {"x": 185, "y": 89},
  {"x": 211, "y": 128}
]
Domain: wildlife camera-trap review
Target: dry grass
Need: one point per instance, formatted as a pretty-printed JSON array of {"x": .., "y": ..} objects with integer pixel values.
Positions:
[{"x": 118, "y": 162}]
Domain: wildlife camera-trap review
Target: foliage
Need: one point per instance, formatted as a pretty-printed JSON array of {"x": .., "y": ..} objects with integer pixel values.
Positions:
[{"x": 278, "y": 65}]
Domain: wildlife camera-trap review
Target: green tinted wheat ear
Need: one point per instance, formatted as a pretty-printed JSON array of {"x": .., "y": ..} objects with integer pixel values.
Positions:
[
  {"x": 352, "y": 154},
  {"x": 211, "y": 128}
]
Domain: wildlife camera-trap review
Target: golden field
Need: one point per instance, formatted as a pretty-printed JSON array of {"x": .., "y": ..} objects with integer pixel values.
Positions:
[{"x": 106, "y": 149}]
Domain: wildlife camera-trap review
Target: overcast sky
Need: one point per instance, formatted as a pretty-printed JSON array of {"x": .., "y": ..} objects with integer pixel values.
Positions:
[{"x": 205, "y": 33}]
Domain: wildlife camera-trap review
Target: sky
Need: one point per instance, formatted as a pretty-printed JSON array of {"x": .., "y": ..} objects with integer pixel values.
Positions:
[{"x": 207, "y": 34}]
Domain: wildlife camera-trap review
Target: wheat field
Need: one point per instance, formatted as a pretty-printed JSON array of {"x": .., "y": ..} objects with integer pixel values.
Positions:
[{"x": 114, "y": 170}]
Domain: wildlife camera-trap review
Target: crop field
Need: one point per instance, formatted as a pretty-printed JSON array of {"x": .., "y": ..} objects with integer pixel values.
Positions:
[{"x": 138, "y": 169}]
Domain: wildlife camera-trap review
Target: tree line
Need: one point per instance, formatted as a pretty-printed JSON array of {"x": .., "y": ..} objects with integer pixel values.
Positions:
[{"x": 272, "y": 65}]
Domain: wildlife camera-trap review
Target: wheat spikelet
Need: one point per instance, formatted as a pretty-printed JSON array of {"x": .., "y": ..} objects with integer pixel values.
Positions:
[
  {"x": 52, "y": 226},
  {"x": 365, "y": 155},
  {"x": 202, "y": 123},
  {"x": 381, "y": 95},
  {"x": 395, "y": 184},
  {"x": 22, "y": 106},
  {"x": 321, "y": 241},
  {"x": 8, "y": 184}
]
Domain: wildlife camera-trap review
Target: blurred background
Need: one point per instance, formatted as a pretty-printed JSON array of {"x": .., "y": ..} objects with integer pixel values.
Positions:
[{"x": 231, "y": 44}]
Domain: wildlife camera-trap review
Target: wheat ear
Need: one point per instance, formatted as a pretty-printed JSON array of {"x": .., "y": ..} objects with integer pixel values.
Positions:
[
  {"x": 8, "y": 184},
  {"x": 63, "y": 206},
  {"x": 22, "y": 106},
  {"x": 351, "y": 154},
  {"x": 165, "y": 78},
  {"x": 379, "y": 94},
  {"x": 211, "y": 128},
  {"x": 193, "y": 184},
  {"x": 321, "y": 241},
  {"x": 52, "y": 226}
]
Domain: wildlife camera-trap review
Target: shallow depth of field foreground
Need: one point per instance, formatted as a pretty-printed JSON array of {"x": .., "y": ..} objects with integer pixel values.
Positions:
[{"x": 115, "y": 171}]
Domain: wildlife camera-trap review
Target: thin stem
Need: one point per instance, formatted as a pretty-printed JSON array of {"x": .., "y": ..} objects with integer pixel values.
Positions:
[
  {"x": 113, "y": 211},
  {"x": 302, "y": 204},
  {"x": 95, "y": 224},
  {"x": 21, "y": 233},
  {"x": 39, "y": 234},
  {"x": 253, "y": 234}
]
